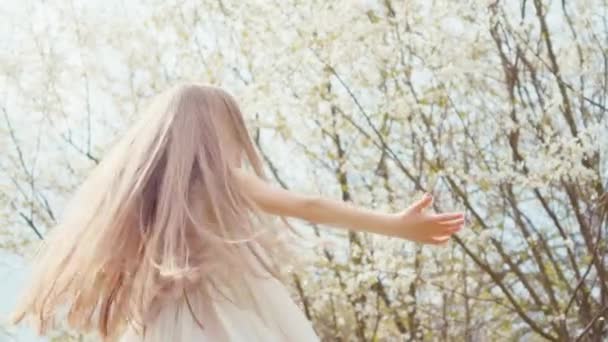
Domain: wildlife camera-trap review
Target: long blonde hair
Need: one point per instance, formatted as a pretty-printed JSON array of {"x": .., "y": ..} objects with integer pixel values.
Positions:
[{"x": 160, "y": 213}]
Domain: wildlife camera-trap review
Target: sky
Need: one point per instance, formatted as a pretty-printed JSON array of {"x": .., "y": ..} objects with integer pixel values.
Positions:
[{"x": 13, "y": 271}]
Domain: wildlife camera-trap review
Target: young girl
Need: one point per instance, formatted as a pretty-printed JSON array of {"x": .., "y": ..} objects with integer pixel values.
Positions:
[{"x": 169, "y": 239}]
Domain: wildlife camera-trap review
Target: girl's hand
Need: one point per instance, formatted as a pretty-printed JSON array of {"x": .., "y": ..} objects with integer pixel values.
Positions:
[{"x": 416, "y": 225}]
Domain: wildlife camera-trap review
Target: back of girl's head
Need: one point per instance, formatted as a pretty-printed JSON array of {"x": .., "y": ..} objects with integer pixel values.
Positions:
[{"x": 159, "y": 214}]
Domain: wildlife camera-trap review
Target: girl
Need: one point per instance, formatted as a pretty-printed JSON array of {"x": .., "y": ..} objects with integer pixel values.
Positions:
[{"x": 169, "y": 239}]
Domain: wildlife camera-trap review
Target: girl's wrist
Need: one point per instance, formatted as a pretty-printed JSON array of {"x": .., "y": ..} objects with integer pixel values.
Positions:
[{"x": 390, "y": 224}]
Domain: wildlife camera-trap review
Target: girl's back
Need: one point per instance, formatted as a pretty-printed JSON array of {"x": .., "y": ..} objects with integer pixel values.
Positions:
[
  {"x": 169, "y": 239},
  {"x": 160, "y": 219},
  {"x": 248, "y": 308}
]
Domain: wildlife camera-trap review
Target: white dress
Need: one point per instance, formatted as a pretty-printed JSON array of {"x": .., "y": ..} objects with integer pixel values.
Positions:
[{"x": 277, "y": 319}]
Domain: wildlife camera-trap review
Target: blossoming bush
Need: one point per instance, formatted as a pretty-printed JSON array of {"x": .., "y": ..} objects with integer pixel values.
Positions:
[{"x": 496, "y": 107}]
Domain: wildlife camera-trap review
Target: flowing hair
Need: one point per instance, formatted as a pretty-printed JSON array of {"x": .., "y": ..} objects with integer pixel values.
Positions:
[{"x": 161, "y": 213}]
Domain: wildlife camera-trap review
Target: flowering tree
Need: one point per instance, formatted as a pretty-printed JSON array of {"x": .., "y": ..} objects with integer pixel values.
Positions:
[{"x": 495, "y": 107}]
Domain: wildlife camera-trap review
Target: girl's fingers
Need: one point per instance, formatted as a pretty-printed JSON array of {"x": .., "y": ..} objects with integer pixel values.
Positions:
[
  {"x": 452, "y": 222},
  {"x": 441, "y": 239},
  {"x": 448, "y": 216},
  {"x": 450, "y": 229},
  {"x": 455, "y": 228},
  {"x": 423, "y": 203}
]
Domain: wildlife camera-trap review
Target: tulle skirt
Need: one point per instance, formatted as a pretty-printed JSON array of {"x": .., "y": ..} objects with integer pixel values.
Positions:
[{"x": 229, "y": 314}]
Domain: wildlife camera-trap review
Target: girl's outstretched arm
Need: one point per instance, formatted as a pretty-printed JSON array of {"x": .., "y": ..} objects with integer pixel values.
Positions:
[{"x": 412, "y": 223}]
